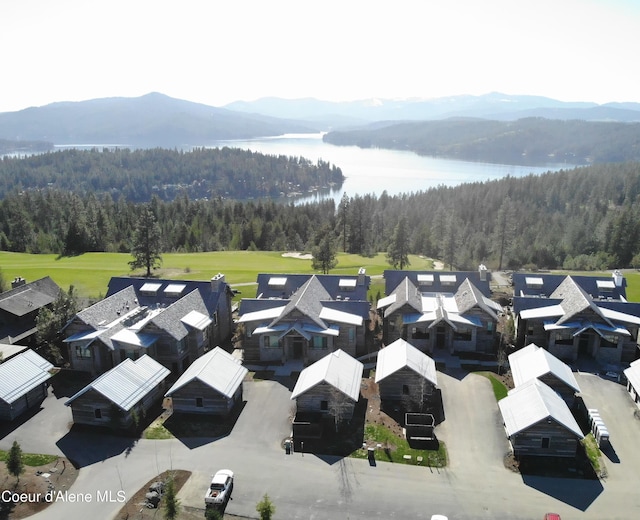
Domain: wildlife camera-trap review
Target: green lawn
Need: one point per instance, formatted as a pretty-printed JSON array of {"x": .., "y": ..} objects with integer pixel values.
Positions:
[
  {"x": 89, "y": 273},
  {"x": 499, "y": 389},
  {"x": 395, "y": 448},
  {"x": 31, "y": 459}
]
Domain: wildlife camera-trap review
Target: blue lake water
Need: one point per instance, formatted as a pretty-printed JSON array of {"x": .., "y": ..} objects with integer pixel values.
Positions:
[{"x": 375, "y": 170}]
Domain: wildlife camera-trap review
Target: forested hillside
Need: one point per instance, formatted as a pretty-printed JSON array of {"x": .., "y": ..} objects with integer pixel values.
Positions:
[
  {"x": 140, "y": 174},
  {"x": 584, "y": 218},
  {"x": 526, "y": 141}
]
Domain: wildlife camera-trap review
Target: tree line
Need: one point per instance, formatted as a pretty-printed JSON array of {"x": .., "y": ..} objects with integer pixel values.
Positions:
[
  {"x": 582, "y": 218},
  {"x": 140, "y": 174},
  {"x": 526, "y": 141}
]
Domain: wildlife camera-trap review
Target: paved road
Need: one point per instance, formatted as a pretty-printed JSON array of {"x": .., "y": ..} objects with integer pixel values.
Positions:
[{"x": 475, "y": 485}]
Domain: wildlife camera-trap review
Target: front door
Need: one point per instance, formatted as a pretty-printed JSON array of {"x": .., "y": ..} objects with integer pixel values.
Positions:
[{"x": 297, "y": 347}]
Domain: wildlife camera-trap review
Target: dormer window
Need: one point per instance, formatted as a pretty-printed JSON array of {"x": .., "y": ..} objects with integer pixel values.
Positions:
[
  {"x": 150, "y": 289},
  {"x": 174, "y": 290},
  {"x": 425, "y": 280},
  {"x": 347, "y": 284},
  {"x": 277, "y": 282},
  {"x": 534, "y": 282},
  {"x": 448, "y": 280}
]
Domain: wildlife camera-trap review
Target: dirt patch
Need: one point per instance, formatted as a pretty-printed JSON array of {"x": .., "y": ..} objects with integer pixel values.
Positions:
[
  {"x": 57, "y": 476},
  {"x": 374, "y": 414}
]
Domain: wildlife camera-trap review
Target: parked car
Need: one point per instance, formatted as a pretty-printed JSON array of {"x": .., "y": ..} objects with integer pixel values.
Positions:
[
  {"x": 219, "y": 490},
  {"x": 552, "y": 516}
]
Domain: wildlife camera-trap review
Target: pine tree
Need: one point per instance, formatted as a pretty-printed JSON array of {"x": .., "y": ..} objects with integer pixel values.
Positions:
[
  {"x": 266, "y": 508},
  {"x": 147, "y": 241},
  {"x": 14, "y": 462},
  {"x": 171, "y": 502},
  {"x": 324, "y": 255},
  {"x": 398, "y": 254}
]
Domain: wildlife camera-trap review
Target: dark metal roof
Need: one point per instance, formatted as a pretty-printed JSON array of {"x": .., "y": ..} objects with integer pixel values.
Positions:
[
  {"x": 353, "y": 287},
  {"x": 443, "y": 281},
  {"x": 598, "y": 287}
]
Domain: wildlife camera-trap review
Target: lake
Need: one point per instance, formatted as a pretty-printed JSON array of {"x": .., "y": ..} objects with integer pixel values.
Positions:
[{"x": 375, "y": 170}]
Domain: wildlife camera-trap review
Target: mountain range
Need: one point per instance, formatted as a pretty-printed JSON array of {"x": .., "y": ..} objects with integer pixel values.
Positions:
[{"x": 159, "y": 120}]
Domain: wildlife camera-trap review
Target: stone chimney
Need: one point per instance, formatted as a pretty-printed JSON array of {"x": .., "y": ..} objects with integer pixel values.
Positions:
[
  {"x": 618, "y": 278},
  {"x": 216, "y": 282},
  {"x": 482, "y": 270},
  {"x": 18, "y": 282}
]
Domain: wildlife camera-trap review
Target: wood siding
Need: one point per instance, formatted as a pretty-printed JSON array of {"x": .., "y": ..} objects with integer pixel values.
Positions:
[
  {"x": 311, "y": 402},
  {"x": 188, "y": 398},
  {"x": 561, "y": 442},
  {"x": 34, "y": 397}
]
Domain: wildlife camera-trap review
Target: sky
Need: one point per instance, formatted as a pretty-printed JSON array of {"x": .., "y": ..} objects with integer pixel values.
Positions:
[{"x": 219, "y": 51}]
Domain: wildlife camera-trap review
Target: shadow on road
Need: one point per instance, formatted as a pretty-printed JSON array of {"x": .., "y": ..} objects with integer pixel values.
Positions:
[
  {"x": 577, "y": 493},
  {"x": 84, "y": 447}
]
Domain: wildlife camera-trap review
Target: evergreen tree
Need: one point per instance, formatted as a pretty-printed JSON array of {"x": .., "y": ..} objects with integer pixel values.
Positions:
[
  {"x": 266, "y": 508},
  {"x": 324, "y": 255},
  {"x": 15, "y": 464},
  {"x": 147, "y": 240},
  {"x": 50, "y": 321},
  {"x": 398, "y": 254},
  {"x": 505, "y": 229},
  {"x": 171, "y": 502}
]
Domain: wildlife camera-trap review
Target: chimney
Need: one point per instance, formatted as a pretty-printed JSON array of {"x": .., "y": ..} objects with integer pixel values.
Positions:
[
  {"x": 18, "y": 282},
  {"x": 482, "y": 270},
  {"x": 216, "y": 282},
  {"x": 361, "y": 275},
  {"x": 618, "y": 278}
]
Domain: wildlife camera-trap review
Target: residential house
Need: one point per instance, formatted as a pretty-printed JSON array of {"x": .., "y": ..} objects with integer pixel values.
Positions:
[
  {"x": 327, "y": 389},
  {"x": 19, "y": 308},
  {"x": 23, "y": 383},
  {"x": 435, "y": 309},
  {"x": 576, "y": 316},
  {"x": 407, "y": 379},
  {"x": 304, "y": 317},
  {"x": 170, "y": 321},
  {"x": 211, "y": 385},
  {"x": 538, "y": 422},
  {"x": 122, "y": 396},
  {"x": 533, "y": 362}
]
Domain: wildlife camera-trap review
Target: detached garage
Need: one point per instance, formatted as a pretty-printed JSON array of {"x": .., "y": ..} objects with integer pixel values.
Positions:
[
  {"x": 23, "y": 383},
  {"x": 211, "y": 385}
]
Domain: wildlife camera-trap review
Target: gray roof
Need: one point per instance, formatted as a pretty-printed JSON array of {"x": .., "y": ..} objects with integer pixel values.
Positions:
[
  {"x": 29, "y": 297},
  {"x": 533, "y": 402},
  {"x": 401, "y": 354},
  {"x": 22, "y": 373},
  {"x": 338, "y": 369},
  {"x": 532, "y": 362},
  {"x": 406, "y": 293},
  {"x": 217, "y": 369},
  {"x": 574, "y": 301},
  {"x": 469, "y": 296},
  {"x": 127, "y": 383},
  {"x": 307, "y": 300}
]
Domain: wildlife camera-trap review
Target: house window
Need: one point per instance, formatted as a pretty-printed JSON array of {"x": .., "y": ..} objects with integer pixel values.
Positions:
[
  {"x": 352, "y": 334},
  {"x": 319, "y": 342},
  {"x": 270, "y": 342},
  {"x": 489, "y": 326},
  {"x": 324, "y": 405},
  {"x": 405, "y": 389},
  {"x": 609, "y": 341},
  {"x": 97, "y": 413},
  {"x": 546, "y": 442},
  {"x": 564, "y": 337},
  {"x": 199, "y": 403},
  {"x": 83, "y": 352},
  {"x": 215, "y": 318},
  {"x": 462, "y": 334},
  {"x": 181, "y": 346}
]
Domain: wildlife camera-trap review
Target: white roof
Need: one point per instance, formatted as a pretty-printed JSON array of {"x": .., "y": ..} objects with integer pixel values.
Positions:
[
  {"x": 217, "y": 369},
  {"x": 265, "y": 314},
  {"x": 605, "y": 284},
  {"x": 448, "y": 278},
  {"x": 277, "y": 281},
  {"x": 386, "y": 301},
  {"x": 533, "y": 362},
  {"x": 542, "y": 312},
  {"x": 338, "y": 369},
  {"x": 340, "y": 316},
  {"x": 347, "y": 282},
  {"x": 425, "y": 278},
  {"x": 174, "y": 289},
  {"x": 400, "y": 354},
  {"x": 22, "y": 373},
  {"x": 632, "y": 374},
  {"x": 127, "y": 383},
  {"x": 130, "y": 337},
  {"x": 150, "y": 287},
  {"x": 533, "y": 280},
  {"x": 619, "y": 316},
  {"x": 197, "y": 320},
  {"x": 533, "y": 402},
  {"x": 7, "y": 350}
]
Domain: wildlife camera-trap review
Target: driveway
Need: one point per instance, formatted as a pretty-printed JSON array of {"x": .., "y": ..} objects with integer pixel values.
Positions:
[{"x": 475, "y": 485}]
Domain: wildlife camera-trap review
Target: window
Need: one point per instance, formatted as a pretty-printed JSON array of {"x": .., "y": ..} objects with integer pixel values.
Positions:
[
  {"x": 83, "y": 352},
  {"x": 270, "y": 342},
  {"x": 609, "y": 341},
  {"x": 352, "y": 334},
  {"x": 324, "y": 405},
  {"x": 97, "y": 413},
  {"x": 462, "y": 334},
  {"x": 546, "y": 442},
  {"x": 319, "y": 342},
  {"x": 489, "y": 326},
  {"x": 405, "y": 389},
  {"x": 199, "y": 403}
]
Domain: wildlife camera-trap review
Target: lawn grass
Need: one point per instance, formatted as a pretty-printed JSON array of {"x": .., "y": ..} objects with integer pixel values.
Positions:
[
  {"x": 395, "y": 448},
  {"x": 499, "y": 389},
  {"x": 593, "y": 451},
  {"x": 90, "y": 273},
  {"x": 31, "y": 459}
]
